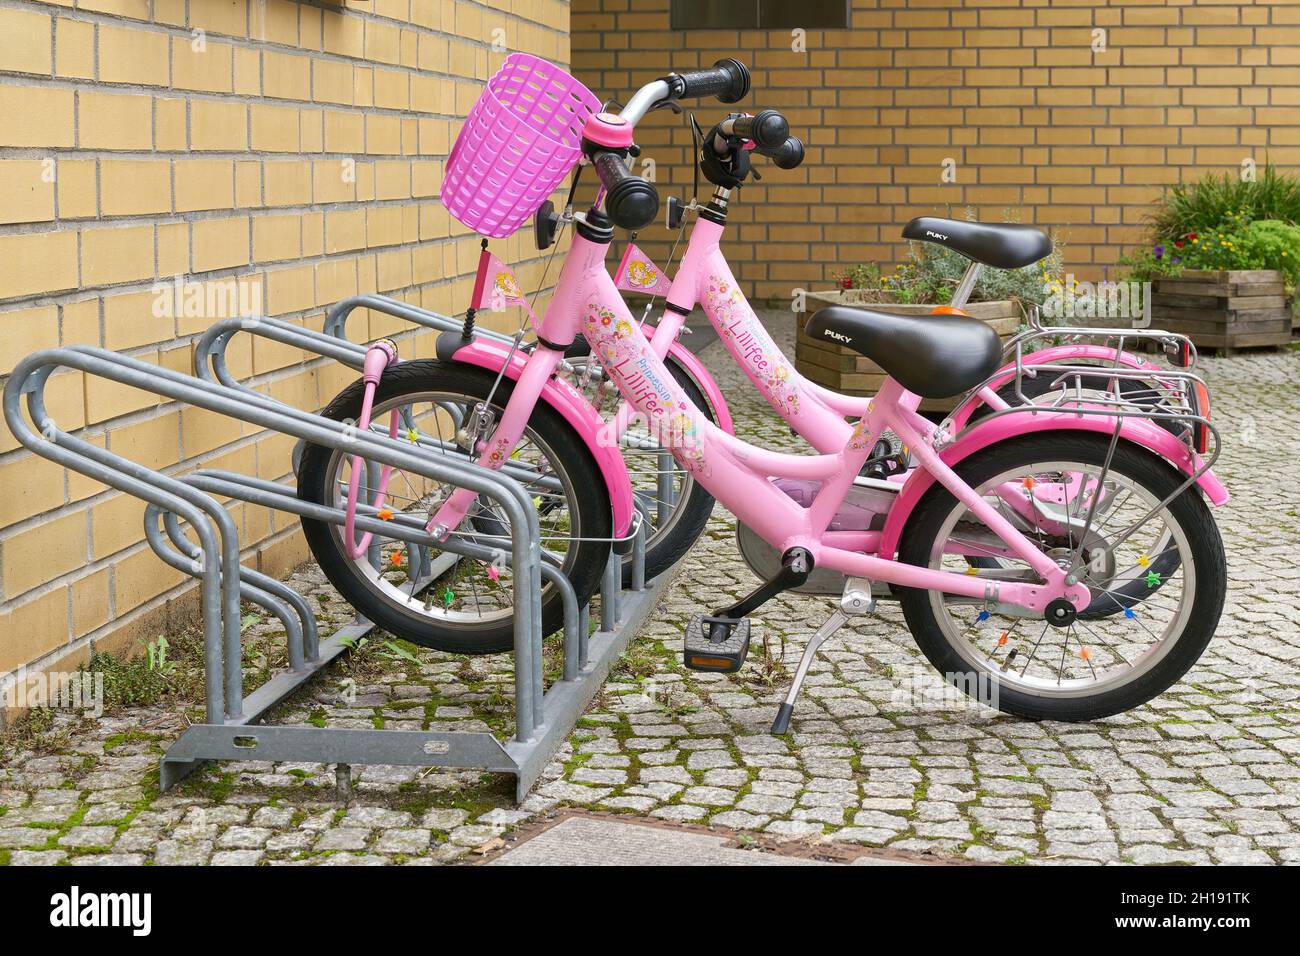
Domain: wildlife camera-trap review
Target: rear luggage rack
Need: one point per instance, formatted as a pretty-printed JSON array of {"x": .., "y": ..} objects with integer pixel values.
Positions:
[{"x": 1174, "y": 396}]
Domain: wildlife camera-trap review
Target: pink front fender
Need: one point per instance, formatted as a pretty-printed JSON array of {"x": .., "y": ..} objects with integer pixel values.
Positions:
[
  {"x": 1139, "y": 431},
  {"x": 577, "y": 411},
  {"x": 700, "y": 375}
]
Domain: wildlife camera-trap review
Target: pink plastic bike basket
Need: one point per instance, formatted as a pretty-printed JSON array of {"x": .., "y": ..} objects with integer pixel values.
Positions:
[{"x": 520, "y": 139}]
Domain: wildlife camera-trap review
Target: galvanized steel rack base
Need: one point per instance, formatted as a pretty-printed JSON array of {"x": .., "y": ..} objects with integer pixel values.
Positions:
[
  {"x": 543, "y": 718},
  {"x": 562, "y": 705}
]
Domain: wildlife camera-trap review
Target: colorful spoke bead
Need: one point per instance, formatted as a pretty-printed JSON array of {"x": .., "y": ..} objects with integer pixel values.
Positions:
[
  {"x": 448, "y": 597},
  {"x": 384, "y": 514},
  {"x": 494, "y": 572},
  {"x": 1130, "y": 613},
  {"x": 412, "y": 435},
  {"x": 982, "y": 616},
  {"x": 1153, "y": 579}
]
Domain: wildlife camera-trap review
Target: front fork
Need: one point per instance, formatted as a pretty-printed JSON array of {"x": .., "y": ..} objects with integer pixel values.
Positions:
[{"x": 494, "y": 451}]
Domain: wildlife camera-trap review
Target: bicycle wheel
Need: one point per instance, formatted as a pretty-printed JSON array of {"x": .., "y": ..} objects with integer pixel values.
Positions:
[
  {"x": 431, "y": 597},
  {"x": 1107, "y": 520}
]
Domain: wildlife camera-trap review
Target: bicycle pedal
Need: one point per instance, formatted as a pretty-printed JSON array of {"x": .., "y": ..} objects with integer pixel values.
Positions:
[{"x": 700, "y": 652}]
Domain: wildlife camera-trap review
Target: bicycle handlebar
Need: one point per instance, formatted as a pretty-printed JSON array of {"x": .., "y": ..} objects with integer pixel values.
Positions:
[
  {"x": 786, "y": 156},
  {"x": 630, "y": 201},
  {"x": 728, "y": 80},
  {"x": 633, "y": 203},
  {"x": 767, "y": 128}
]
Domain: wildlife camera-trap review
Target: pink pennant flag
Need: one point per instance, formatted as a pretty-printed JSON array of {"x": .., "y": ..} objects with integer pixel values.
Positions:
[
  {"x": 636, "y": 273},
  {"x": 495, "y": 286}
]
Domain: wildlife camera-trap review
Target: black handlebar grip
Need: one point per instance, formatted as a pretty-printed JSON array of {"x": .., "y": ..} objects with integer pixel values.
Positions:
[
  {"x": 767, "y": 128},
  {"x": 630, "y": 201},
  {"x": 728, "y": 80},
  {"x": 786, "y": 156}
]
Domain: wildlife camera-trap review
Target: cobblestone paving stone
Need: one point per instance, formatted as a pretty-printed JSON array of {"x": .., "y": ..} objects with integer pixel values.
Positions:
[{"x": 881, "y": 753}]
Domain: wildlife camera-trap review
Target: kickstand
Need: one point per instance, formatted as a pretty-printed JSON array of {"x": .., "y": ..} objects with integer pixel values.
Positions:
[
  {"x": 855, "y": 600},
  {"x": 833, "y": 624}
]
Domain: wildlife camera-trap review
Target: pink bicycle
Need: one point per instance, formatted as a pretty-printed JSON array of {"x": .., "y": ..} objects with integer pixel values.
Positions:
[
  {"x": 822, "y": 417},
  {"x": 1054, "y": 557}
]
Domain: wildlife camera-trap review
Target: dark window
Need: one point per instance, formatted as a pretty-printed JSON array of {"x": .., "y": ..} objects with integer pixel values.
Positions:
[{"x": 760, "y": 14}]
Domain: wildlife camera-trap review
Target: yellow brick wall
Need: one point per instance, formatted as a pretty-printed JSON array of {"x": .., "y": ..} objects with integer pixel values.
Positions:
[
  {"x": 208, "y": 139},
  {"x": 1011, "y": 90}
]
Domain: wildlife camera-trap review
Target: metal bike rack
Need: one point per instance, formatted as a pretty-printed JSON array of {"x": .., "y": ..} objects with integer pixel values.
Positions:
[
  {"x": 336, "y": 319},
  {"x": 543, "y": 718}
]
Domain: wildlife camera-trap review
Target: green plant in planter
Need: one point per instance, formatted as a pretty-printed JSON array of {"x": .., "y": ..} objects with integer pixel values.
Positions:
[
  {"x": 1238, "y": 243},
  {"x": 1277, "y": 245},
  {"x": 1210, "y": 202},
  {"x": 1223, "y": 223}
]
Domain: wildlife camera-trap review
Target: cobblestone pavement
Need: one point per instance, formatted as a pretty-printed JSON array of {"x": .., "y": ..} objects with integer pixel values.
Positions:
[{"x": 880, "y": 754}]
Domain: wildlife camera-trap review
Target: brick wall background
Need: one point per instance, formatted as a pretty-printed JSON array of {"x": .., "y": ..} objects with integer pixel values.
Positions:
[
  {"x": 298, "y": 146},
  {"x": 1076, "y": 140}
]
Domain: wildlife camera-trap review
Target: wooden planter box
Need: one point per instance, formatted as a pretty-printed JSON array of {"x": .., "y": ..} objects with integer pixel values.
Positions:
[
  {"x": 844, "y": 370},
  {"x": 1224, "y": 310}
]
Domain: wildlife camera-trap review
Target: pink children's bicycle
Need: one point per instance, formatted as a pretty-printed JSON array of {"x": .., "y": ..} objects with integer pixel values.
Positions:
[
  {"x": 1052, "y": 553},
  {"x": 678, "y": 507}
]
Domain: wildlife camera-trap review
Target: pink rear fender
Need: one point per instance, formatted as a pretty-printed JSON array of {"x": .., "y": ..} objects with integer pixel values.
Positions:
[
  {"x": 700, "y": 375},
  {"x": 577, "y": 411},
  {"x": 1139, "y": 431},
  {"x": 1060, "y": 355}
]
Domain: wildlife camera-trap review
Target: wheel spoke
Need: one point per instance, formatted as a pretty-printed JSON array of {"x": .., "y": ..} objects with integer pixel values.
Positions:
[
  {"x": 1114, "y": 650},
  {"x": 1034, "y": 649}
]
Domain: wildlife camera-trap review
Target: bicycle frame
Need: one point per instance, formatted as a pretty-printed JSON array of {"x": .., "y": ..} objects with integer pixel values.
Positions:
[{"x": 737, "y": 473}]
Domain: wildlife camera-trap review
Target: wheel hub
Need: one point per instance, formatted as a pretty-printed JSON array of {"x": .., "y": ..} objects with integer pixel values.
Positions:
[{"x": 1060, "y": 613}]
